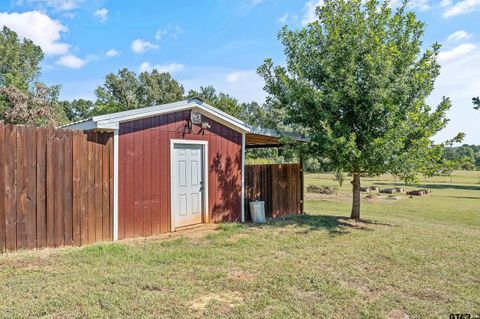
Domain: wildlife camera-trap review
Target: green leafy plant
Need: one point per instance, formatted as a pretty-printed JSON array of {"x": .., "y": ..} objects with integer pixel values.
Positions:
[{"x": 355, "y": 82}]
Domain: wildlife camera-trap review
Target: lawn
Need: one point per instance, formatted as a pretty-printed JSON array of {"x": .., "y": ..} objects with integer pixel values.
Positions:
[{"x": 410, "y": 257}]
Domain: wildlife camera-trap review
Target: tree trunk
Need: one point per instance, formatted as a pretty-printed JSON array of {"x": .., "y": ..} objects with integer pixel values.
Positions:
[{"x": 356, "y": 197}]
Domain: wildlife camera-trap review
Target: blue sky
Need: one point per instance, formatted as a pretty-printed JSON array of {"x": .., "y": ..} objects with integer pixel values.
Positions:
[{"x": 221, "y": 42}]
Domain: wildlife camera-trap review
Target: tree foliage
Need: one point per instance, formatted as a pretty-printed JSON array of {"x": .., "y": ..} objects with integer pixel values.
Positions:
[
  {"x": 252, "y": 113},
  {"x": 23, "y": 100},
  {"x": 356, "y": 82},
  {"x": 125, "y": 91},
  {"x": 36, "y": 108},
  {"x": 466, "y": 156},
  {"x": 19, "y": 61},
  {"x": 221, "y": 101},
  {"x": 476, "y": 102},
  {"x": 77, "y": 110}
]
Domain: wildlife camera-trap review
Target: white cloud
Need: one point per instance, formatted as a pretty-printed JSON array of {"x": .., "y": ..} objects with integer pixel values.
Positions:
[
  {"x": 457, "y": 52},
  {"x": 310, "y": 8},
  {"x": 247, "y": 87},
  {"x": 173, "y": 30},
  {"x": 140, "y": 46},
  {"x": 58, "y": 5},
  {"x": 71, "y": 61},
  {"x": 240, "y": 76},
  {"x": 459, "y": 35},
  {"x": 459, "y": 80},
  {"x": 446, "y": 3},
  {"x": 169, "y": 67},
  {"x": 422, "y": 5},
  {"x": 287, "y": 18},
  {"x": 460, "y": 7},
  {"x": 111, "y": 53},
  {"x": 159, "y": 34},
  {"x": 39, "y": 28},
  {"x": 283, "y": 19},
  {"x": 101, "y": 14}
]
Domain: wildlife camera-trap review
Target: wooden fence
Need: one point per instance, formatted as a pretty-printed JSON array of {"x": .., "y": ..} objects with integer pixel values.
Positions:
[
  {"x": 279, "y": 185},
  {"x": 56, "y": 187}
]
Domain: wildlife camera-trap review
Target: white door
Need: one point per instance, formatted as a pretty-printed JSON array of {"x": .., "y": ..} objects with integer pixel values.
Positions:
[{"x": 187, "y": 179}]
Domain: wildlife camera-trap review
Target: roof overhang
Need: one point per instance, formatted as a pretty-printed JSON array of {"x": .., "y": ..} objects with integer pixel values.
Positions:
[
  {"x": 112, "y": 121},
  {"x": 264, "y": 138},
  {"x": 254, "y": 137}
]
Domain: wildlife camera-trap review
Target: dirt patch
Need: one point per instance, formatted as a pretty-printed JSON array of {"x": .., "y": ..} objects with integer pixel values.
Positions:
[
  {"x": 155, "y": 288},
  {"x": 398, "y": 314},
  {"x": 241, "y": 275},
  {"x": 393, "y": 197},
  {"x": 373, "y": 197},
  {"x": 341, "y": 197},
  {"x": 229, "y": 299},
  {"x": 33, "y": 260},
  {"x": 193, "y": 232}
]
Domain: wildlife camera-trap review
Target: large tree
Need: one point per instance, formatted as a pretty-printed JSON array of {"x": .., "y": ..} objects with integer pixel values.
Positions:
[
  {"x": 356, "y": 81},
  {"x": 77, "y": 110},
  {"x": 23, "y": 100},
  {"x": 221, "y": 101},
  {"x": 19, "y": 61},
  {"x": 125, "y": 91}
]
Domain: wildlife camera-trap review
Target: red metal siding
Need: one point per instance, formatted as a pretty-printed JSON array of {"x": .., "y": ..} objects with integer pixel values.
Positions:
[{"x": 144, "y": 172}]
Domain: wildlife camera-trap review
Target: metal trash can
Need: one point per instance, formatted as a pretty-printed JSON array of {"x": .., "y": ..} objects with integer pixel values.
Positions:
[{"x": 257, "y": 211}]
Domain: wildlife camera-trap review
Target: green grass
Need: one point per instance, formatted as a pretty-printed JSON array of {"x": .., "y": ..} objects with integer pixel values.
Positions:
[{"x": 416, "y": 256}]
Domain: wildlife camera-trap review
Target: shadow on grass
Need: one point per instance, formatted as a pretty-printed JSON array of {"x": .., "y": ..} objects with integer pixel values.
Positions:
[
  {"x": 334, "y": 225},
  {"x": 451, "y": 186},
  {"x": 437, "y": 186},
  {"x": 464, "y": 197}
]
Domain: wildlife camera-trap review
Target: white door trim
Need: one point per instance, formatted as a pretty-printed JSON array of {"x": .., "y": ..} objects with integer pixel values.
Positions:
[{"x": 205, "y": 178}]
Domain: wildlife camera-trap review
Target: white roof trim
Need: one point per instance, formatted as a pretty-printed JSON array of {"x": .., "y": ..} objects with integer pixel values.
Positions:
[{"x": 112, "y": 121}]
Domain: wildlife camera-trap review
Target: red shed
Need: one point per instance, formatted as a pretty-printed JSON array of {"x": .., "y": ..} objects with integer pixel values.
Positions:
[{"x": 176, "y": 165}]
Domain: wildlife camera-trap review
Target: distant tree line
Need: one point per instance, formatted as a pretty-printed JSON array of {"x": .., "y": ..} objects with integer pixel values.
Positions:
[{"x": 467, "y": 156}]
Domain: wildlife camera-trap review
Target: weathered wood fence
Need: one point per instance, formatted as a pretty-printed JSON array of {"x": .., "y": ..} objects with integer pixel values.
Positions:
[
  {"x": 56, "y": 187},
  {"x": 279, "y": 185}
]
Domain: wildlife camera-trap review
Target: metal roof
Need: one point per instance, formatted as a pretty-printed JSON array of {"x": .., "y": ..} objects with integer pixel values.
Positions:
[{"x": 111, "y": 121}]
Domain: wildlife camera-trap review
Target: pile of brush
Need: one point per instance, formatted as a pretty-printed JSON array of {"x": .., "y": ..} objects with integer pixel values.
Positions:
[
  {"x": 419, "y": 192},
  {"x": 322, "y": 189}
]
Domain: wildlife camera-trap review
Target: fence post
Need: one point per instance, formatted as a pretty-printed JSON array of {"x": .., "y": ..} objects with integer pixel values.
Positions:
[{"x": 302, "y": 191}]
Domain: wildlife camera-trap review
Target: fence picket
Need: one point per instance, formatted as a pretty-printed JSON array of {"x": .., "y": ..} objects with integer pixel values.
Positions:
[
  {"x": 76, "y": 188},
  {"x": 41, "y": 149},
  {"x": 276, "y": 184},
  {"x": 2, "y": 188},
  {"x": 31, "y": 187},
  {"x": 68, "y": 184},
  {"x": 48, "y": 179}
]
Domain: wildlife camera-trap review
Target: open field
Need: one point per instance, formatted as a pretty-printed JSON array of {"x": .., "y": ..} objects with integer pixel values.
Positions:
[{"x": 410, "y": 257}]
